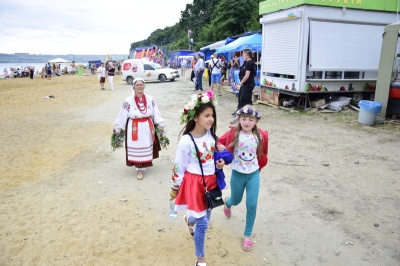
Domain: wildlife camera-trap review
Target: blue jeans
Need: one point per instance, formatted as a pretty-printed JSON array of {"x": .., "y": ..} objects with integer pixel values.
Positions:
[
  {"x": 200, "y": 233},
  {"x": 250, "y": 182},
  {"x": 199, "y": 78}
]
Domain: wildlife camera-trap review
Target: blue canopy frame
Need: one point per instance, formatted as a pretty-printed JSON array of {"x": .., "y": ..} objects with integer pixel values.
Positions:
[{"x": 252, "y": 42}]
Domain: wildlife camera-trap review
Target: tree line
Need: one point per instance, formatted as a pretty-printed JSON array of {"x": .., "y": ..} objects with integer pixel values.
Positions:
[{"x": 209, "y": 21}]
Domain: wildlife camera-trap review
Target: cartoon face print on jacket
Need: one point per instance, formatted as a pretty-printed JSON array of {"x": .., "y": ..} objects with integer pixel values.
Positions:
[{"x": 246, "y": 153}]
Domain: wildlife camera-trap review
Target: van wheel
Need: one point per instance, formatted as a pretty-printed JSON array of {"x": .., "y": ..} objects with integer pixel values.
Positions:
[
  {"x": 172, "y": 79},
  {"x": 129, "y": 80},
  {"x": 162, "y": 78}
]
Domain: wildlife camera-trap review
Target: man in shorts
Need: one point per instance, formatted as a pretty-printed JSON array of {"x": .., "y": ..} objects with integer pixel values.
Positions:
[
  {"x": 102, "y": 72},
  {"x": 215, "y": 66}
]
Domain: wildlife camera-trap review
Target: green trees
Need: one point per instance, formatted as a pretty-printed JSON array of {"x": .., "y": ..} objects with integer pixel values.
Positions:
[
  {"x": 232, "y": 17},
  {"x": 210, "y": 21}
]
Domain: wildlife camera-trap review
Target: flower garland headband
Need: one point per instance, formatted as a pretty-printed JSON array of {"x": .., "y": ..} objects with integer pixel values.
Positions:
[
  {"x": 189, "y": 110},
  {"x": 248, "y": 110}
]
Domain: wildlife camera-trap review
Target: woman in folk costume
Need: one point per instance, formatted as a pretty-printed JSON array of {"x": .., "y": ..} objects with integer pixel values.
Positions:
[{"x": 138, "y": 116}]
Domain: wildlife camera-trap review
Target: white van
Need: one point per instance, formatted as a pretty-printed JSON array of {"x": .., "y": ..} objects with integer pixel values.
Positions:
[{"x": 149, "y": 71}]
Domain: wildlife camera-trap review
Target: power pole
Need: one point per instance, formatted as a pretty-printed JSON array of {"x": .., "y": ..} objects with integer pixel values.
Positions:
[{"x": 189, "y": 33}]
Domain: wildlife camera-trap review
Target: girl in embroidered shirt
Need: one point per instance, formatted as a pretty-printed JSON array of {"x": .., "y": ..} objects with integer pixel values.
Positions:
[
  {"x": 187, "y": 184},
  {"x": 249, "y": 146}
]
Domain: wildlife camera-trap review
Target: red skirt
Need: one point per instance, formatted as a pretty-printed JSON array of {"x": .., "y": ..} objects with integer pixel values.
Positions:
[{"x": 191, "y": 192}]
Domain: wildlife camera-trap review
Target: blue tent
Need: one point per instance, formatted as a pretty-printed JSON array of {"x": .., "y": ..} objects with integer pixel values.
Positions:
[
  {"x": 252, "y": 42},
  {"x": 178, "y": 53},
  {"x": 229, "y": 40},
  {"x": 213, "y": 46},
  {"x": 210, "y": 49}
]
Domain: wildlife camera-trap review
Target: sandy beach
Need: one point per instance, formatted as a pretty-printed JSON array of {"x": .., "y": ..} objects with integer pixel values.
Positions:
[{"x": 329, "y": 194}]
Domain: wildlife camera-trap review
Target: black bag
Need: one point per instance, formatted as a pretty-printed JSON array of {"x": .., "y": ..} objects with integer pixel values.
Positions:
[{"x": 213, "y": 197}]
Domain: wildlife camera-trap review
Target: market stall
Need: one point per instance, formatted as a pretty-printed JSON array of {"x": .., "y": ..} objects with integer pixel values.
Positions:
[{"x": 314, "y": 46}]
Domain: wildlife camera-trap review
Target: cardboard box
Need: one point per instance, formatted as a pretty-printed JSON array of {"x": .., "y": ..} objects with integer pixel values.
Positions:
[
  {"x": 256, "y": 96},
  {"x": 317, "y": 103}
]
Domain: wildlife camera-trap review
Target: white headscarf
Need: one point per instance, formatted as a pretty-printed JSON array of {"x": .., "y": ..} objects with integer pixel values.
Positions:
[
  {"x": 134, "y": 81},
  {"x": 138, "y": 79}
]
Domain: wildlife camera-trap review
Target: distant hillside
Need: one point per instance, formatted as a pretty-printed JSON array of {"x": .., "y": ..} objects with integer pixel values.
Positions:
[{"x": 41, "y": 58}]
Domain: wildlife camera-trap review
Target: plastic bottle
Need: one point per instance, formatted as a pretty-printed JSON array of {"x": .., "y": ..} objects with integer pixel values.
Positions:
[{"x": 172, "y": 212}]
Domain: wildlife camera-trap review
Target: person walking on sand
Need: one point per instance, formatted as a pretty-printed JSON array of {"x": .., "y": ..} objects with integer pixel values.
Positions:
[
  {"x": 73, "y": 68},
  {"x": 138, "y": 116},
  {"x": 187, "y": 182},
  {"x": 183, "y": 67},
  {"x": 199, "y": 70},
  {"x": 31, "y": 72},
  {"x": 102, "y": 73},
  {"x": 110, "y": 74},
  {"x": 48, "y": 69},
  {"x": 247, "y": 74},
  {"x": 215, "y": 66},
  {"x": 92, "y": 68},
  {"x": 249, "y": 145},
  {"x": 207, "y": 71},
  {"x": 234, "y": 67}
]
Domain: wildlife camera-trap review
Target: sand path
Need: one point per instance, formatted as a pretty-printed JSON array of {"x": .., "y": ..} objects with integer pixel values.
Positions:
[{"x": 329, "y": 195}]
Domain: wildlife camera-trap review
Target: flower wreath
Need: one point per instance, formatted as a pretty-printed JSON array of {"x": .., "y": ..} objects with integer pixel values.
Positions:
[
  {"x": 248, "y": 111},
  {"x": 189, "y": 110}
]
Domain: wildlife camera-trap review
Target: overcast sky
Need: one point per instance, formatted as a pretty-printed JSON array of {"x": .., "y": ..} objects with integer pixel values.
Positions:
[{"x": 82, "y": 26}]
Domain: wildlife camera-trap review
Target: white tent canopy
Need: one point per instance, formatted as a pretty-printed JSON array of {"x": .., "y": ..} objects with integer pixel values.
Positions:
[{"x": 59, "y": 60}]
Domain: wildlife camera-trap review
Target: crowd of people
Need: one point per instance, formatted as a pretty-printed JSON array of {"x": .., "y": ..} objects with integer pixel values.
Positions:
[
  {"x": 19, "y": 72},
  {"x": 54, "y": 69},
  {"x": 107, "y": 72},
  {"x": 51, "y": 69},
  {"x": 198, "y": 163},
  {"x": 48, "y": 70},
  {"x": 242, "y": 78}
]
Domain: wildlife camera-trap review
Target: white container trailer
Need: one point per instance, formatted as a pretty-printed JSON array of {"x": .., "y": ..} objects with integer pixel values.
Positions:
[{"x": 323, "y": 45}]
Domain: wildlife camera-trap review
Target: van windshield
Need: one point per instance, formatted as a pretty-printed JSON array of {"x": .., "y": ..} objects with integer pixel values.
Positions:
[{"x": 156, "y": 66}]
